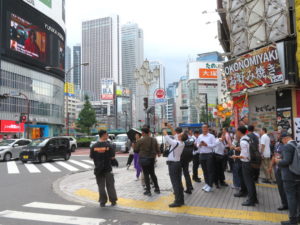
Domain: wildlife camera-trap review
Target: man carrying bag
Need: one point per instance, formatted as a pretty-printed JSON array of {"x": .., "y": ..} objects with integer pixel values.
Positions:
[{"x": 147, "y": 147}]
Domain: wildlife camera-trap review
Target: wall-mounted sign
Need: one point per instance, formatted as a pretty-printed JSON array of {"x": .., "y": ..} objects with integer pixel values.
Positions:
[
  {"x": 254, "y": 69},
  {"x": 122, "y": 91},
  {"x": 8, "y": 126},
  {"x": 107, "y": 90},
  {"x": 69, "y": 89},
  {"x": 204, "y": 70}
]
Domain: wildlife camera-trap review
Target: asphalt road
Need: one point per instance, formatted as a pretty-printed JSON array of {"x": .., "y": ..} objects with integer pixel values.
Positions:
[{"x": 27, "y": 198}]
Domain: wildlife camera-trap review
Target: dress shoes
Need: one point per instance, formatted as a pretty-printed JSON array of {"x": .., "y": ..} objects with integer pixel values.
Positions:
[
  {"x": 102, "y": 205},
  {"x": 188, "y": 192},
  {"x": 174, "y": 205},
  {"x": 288, "y": 223},
  {"x": 147, "y": 193},
  {"x": 248, "y": 203},
  {"x": 281, "y": 208},
  {"x": 197, "y": 179}
]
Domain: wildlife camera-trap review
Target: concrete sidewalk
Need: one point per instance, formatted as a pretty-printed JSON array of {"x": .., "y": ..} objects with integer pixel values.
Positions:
[{"x": 81, "y": 187}]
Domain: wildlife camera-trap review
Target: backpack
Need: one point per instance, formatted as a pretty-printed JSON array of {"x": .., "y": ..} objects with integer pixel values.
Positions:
[
  {"x": 187, "y": 153},
  {"x": 255, "y": 156},
  {"x": 295, "y": 165}
]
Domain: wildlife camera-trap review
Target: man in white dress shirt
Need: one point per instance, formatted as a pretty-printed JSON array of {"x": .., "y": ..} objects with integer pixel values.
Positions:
[{"x": 206, "y": 143}]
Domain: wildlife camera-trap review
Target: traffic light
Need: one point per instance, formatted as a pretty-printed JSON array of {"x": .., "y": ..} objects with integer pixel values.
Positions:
[
  {"x": 23, "y": 118},
  {"x": 145, "y": 103}
]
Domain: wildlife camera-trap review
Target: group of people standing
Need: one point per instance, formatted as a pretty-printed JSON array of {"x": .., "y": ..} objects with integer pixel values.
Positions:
[{"x": 246, "y": 152}]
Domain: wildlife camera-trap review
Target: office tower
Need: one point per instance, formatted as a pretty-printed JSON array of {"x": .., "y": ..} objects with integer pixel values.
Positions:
[
  {"x": 101, "y": 49},
  {"x": 132, "y": 54},
  {"x": 77, "y": 69},
  {"x": 68, "y": 78}
]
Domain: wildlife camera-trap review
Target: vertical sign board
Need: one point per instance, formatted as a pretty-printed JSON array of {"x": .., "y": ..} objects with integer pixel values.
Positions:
[{"x": 107, "y": 89}]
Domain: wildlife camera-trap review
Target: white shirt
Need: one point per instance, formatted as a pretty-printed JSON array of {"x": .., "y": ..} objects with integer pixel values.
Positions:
[
  {"x": 176, "y": 154},
  {"x": 220, "y": 147},
  {"x": 265, "y": 140},
  {"x": 245, "y": 147},
  {"x": 210, "y": 140}
]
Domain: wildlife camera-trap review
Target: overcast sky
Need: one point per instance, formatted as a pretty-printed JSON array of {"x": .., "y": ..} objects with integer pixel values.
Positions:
[{"x": 174, "y": 30}]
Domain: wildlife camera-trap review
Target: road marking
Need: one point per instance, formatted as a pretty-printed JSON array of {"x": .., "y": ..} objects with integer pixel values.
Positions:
[
  {"x": 88, "y": 161},
  {"x": 50, "y": 218},
  {"x": 161, "y": 204},
  {"x": 50, "y": 167},
  {"x": 32, "y": 168},
  {"x": 80, "y": 164},
  {"x": 44, "y": 205},
  {"x": 12, "y": 167},
  {"x": 67, "y": 166}
]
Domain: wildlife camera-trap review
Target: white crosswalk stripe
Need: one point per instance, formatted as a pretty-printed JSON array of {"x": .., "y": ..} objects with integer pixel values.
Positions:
[
  {"x": 32, "y": 168},
  {"x": 12, "y": 167},
  {"x": 51, "y": 168},
  {"x": 44, "y": 205},
  {"x": 88, "y": 161},
  {"x": 67, "y": 166},
  {"x": 80, "y": 164},
  {"x": 51, "y": 218}
]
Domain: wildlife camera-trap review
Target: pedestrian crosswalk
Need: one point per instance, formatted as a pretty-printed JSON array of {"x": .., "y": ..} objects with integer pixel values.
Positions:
[
  {"x": 17, "y": 167},
  {"x": 52, "y": 213}
]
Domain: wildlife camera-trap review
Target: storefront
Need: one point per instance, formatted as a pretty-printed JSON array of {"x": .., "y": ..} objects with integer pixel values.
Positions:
[
  {"x": 10, "y": 129},
  {"x": 260, "y": 89}
]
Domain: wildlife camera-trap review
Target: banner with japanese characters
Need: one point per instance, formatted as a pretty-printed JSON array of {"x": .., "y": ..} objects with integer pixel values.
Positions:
[{"x": 253, "y": 69}]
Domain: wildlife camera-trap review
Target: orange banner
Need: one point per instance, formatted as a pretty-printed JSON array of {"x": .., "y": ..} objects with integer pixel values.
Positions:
[{"x": 208, "y": 73}]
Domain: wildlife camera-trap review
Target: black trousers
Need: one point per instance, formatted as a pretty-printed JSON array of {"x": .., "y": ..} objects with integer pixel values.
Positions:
[
  {"x": 196, "y": 163},
  {"x": 149, "y": 171},
  {"x": 239, "y": 169},
  {"x": 208, "y": 167},
  {"x": 106, "y": 186},
  {"x": 130, "y": 159},
  {"x": 249, "y": 181},
  {"x": 292, "y": 191},
  {"x": 175, "y": 173},
  {"x": 186, "y": 173},
  {"x": 219, "y": 164},
  {"x": 280, "y": 187}
]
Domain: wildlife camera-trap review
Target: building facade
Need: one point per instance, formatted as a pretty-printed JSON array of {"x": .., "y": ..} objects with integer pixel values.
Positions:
[
  {"x": 101, "y": 49},
  {"x": 132, "y": 54},
  {"x": 68, "y": 64},
  {"x": 77, "y": 69},
  {"x": 28, "y": 87}
]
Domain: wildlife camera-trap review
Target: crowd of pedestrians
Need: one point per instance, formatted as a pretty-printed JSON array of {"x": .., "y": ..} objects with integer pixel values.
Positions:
[{"x": 244, "y": 152}]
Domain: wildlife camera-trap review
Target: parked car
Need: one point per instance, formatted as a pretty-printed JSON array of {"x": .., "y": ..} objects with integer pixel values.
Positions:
[
  {"x": 73, "y": 143},
  {"x": 11, "y": 148},
  {"x": 122, "y": 143},
  {"x": 45, "y": 149}
]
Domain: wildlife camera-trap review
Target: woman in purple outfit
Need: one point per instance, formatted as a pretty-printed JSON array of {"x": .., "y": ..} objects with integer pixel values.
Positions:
[{"x": 136, "y": 158}]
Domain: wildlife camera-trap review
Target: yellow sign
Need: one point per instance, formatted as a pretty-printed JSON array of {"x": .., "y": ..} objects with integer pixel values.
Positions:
[{"x": 69, "y": 89}]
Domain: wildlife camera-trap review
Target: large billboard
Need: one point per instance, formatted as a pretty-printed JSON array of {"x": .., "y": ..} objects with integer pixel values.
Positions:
[
  {"x": 254, "y": 69},
  {"x": 107, "y": 89},
  {"x": 31, "y": 38},
  {"x": 204, "y": 70},
  {"x": 54, "y": 9}
]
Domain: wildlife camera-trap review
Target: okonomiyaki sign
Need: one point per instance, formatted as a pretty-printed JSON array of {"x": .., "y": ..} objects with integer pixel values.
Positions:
[{"x": 253, "y": 69}]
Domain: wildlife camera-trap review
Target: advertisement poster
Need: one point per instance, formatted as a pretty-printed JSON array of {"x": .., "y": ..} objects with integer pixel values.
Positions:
[
  {"x": 284, "y": 119},
  {"x": 253, "y": 69},
  {"x": 204, "y": 70},
  {"x": 28, "y": 39},
  {"x": 69, "y": 89},
  {"x": 107, "y": 90},
  {"x": 297, "y": 129}
]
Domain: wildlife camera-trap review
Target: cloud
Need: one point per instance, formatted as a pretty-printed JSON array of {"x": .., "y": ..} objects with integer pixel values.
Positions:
[{"x": 173, "y": 30}]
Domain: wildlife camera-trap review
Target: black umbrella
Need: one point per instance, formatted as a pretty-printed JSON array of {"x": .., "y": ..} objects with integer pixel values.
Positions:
[{"x": 131, "y": 134}]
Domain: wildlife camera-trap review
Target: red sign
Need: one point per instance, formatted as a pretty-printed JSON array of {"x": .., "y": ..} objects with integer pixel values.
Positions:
[
  {"x": 160, "y": 93},
  {"x": 8, "y": 126},
  {"x": 208, "y": 73}
]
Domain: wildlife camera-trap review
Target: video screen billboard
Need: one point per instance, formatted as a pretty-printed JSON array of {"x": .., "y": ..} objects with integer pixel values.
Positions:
[
  {"x": 31, "y": 38},
  {"x": 27, "y": 38}
]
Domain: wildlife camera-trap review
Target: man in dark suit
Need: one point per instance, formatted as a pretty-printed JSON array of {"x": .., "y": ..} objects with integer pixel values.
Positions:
[{"x": 291, "y": 181}]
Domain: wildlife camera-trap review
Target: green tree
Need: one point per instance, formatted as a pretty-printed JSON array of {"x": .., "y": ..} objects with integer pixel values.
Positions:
[{"x": 87, "y": 117}]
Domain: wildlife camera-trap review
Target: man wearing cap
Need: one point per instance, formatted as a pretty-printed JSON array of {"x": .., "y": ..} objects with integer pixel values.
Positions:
[{"x": 291, "y": 181}]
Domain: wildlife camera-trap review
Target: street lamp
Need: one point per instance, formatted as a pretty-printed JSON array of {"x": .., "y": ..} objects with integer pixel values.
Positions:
[{"x": 48, "y": 68}]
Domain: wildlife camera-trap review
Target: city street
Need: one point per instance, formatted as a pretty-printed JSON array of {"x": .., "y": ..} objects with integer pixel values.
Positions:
[{"x": 27, "y": 198}]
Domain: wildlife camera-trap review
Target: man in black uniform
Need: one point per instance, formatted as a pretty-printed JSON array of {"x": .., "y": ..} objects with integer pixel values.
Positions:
[{"x": 103, "y": 153}]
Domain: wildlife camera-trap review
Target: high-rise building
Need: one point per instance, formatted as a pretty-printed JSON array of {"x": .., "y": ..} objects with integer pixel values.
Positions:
[
  {"x": 68, "y": 78},
  {"x": 132, "y": 53},
  {"x": 77, "y": 69},
  {"x": 101, "y": 49}
]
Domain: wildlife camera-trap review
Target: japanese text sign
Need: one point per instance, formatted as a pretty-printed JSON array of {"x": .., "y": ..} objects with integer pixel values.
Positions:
[
  {"x": 253, "y": 69},
  {"x": 208, "y": 73}
]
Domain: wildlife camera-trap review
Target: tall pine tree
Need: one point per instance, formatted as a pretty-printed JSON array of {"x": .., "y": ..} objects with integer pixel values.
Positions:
[{"x": 87, "y": 117}]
